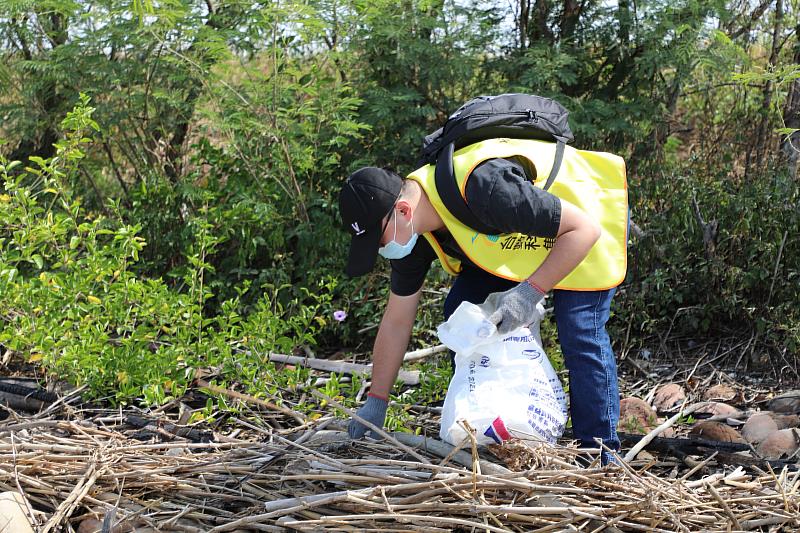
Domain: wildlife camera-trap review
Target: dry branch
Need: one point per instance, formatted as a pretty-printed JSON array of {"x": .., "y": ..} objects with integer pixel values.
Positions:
[
  {"x": 416, "y": 355},
  {"x": 170, "y": 429},
  {"x": 657, "y": 431},
  {"x": 407, "y": 377}
]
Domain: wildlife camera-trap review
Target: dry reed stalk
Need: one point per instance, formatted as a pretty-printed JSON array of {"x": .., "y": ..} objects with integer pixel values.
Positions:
[{"x": 297, "y": 480}]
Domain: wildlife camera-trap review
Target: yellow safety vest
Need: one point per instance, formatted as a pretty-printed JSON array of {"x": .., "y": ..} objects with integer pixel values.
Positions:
[{"x": 593, "y": 181}]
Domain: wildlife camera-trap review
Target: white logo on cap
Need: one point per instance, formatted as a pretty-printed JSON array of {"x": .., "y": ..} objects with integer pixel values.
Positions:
[{"x": 358, "y": 230}]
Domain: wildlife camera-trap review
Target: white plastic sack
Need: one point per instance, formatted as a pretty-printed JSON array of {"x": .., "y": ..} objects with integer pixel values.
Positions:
[{"x": 504, "y": 385}]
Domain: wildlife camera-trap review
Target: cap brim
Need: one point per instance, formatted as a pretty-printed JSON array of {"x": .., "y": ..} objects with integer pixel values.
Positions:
[{"x": 363, "y": 253}]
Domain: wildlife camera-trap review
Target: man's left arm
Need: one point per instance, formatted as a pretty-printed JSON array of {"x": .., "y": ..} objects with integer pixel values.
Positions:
[
  {"x": 502, "y": 195},
  {"x": 577, "y": 233}
]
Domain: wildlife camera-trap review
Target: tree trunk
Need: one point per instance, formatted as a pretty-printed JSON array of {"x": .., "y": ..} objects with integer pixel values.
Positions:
[
  {"x": 569, "y": 20},
  {"x": 538, "y": 30},
  {"x": 522, "y": 23},
  {"x": 625, "y": 20},
  {"x": 217, "y": 19},
  {"x": 790, "y": 146},
  {"x": 50, "y": 98},
  {"x": 174, "y": 151},
  {"x": 621, "y": 56},
  {"x": 763, "y": 134}
]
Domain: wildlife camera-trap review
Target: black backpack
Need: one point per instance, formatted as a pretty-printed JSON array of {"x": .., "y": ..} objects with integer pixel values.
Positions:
[{"x": 517, "y": 116}]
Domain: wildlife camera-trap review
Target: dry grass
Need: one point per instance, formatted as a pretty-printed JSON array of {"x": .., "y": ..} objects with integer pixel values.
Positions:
[{"x": 309, "y": 478}]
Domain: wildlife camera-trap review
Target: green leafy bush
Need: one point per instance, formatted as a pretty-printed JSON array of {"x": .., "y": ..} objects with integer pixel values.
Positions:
[
  {"x": 740, "y": 282},
  {"x": 71, "y": 298}
]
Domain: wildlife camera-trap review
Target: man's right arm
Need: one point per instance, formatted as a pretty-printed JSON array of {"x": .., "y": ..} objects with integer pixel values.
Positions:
[
  {"x": 387, "y": 357},
  {"x": 392, "y": 341}
]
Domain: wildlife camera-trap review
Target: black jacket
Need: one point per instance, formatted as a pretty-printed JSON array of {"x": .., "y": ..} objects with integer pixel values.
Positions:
[{"x": 500, "y": 194}]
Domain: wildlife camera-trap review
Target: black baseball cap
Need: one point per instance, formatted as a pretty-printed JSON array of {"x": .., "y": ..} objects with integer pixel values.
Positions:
[{"x": 367, "y": 196}]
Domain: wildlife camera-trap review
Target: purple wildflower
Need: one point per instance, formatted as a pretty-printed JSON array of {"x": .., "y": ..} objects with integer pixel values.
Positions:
[{"x": 339, "y": 315}]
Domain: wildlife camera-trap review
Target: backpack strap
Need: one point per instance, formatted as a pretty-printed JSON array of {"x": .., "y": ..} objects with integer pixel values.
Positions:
[
  {"x": 560, "y": 144},
  {"x": 451, "y": 197}
]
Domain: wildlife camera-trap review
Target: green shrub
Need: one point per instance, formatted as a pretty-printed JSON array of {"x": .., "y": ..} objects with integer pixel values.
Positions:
[
  {"x": 743, "y": 284},
  {"x": 71, "y": 298}
]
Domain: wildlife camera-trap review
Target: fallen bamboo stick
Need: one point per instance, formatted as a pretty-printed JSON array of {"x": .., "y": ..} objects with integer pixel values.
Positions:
[
  {"x": 401, "y": 518},
  {"x": 430, "y": 445},
  {"x": 416, "y": 355},
  {"x": 442, "y": 449},
  {"x": 407, "y": 377},
  {"x": 747, "y": 525},
  {"x": 633, "y": 452}
]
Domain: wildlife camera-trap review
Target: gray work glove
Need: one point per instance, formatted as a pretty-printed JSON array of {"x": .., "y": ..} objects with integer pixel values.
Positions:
[
  {"x": 515, "y": 307},
  {"x": 373, "y": 410}
]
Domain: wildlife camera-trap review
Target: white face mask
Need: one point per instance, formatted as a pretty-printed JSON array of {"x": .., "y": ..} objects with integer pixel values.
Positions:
[{"x": 395, "y": 250}]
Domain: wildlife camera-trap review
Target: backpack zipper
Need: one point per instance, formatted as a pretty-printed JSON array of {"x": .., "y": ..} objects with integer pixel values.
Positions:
[{"x": 532, "y": 116}]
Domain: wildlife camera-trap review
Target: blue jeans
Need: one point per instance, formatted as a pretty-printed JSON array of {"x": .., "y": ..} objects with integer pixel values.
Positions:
[{"x": 581, "y": 318}]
